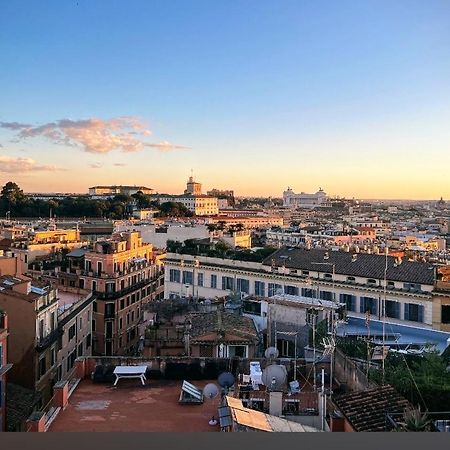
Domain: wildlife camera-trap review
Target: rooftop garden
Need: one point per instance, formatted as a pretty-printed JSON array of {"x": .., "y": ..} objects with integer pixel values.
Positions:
[{"x": 218, "y": 250}]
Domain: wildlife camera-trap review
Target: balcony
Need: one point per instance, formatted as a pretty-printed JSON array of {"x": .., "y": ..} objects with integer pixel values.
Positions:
[
  {"x": 122, "y": 292},
  {"x": 47, "y": 341}
]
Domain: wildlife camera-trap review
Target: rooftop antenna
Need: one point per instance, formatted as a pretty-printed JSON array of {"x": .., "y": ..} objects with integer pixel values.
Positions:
[{"x": 271, "y": 353}]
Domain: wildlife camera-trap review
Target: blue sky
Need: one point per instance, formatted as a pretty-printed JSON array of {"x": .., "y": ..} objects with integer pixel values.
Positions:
[{"x": 352, "y": 96}]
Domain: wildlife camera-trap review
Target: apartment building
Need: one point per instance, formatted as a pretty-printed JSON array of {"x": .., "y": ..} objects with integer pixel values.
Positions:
[
  {"x": 357, "y": 281},
  {"x": 32, "y": 309},
  {"x": 124, "y": 275},
  {"x": 43, "y": 243},
  {"x": 4, "y": 367}
]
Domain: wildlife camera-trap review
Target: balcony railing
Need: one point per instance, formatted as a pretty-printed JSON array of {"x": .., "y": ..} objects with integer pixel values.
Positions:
[
  {"x": 122, "y": 292},
  {"x": 47, "y": 341}
]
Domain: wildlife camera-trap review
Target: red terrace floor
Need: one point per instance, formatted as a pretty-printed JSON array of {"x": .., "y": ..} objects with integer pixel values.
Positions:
[{"x": 133, "y": 407}]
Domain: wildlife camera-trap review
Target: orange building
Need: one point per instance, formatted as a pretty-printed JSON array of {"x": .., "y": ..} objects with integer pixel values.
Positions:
[
  {"x": 124, "y": 274},
  {"x": 4, "y": 367}
]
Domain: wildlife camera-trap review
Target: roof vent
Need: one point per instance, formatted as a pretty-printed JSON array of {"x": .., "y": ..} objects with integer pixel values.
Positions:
[
  {"x": 354, "y": 257},
  {"x": 326, "y": 256}
]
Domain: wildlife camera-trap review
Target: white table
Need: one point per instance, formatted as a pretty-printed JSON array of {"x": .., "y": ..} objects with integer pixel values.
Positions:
[{"x": 130, "y": 372}]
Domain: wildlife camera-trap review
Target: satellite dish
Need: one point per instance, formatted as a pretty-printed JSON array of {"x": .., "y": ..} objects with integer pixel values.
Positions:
[
  {"x": 226, "y": 380},
  {"x": 208, "y": 302},
  {"x": 274, "y": 377},
  {"x": 271, "y": 352},
  {"x": 210, "y": 391}
]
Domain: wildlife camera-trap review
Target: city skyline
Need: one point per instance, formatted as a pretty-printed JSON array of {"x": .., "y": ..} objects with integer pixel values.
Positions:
[{"x": 253, "y": 96}]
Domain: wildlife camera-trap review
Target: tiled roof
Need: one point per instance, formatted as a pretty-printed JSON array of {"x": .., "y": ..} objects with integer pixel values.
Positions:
[
  {"x": 20, "y": 404},
  {"x": 365, "y": 265},
  {"x": 367, "y": 410},
  {"x": 215, "y": 321}
]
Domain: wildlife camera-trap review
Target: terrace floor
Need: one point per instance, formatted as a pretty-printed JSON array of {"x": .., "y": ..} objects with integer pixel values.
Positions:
[{"x": 132, "y": 407}]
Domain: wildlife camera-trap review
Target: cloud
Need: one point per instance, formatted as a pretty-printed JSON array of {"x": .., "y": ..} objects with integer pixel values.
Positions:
[
  {"x": 93, "y": 135},
  {"x": 9, "y": 164},
  {"x": 165, "y": 146},
  {"x": 119, "y": 164},
  {"x": 96, "y": 165}
]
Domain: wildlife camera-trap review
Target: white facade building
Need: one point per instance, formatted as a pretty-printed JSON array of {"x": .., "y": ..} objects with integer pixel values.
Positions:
[
  {"x": 303, "y": 200},
  {"x": 356, "y": 282}
]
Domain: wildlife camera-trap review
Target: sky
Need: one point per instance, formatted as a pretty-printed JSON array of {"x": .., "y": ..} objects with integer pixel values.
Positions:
[{"x": 254, "y": 96}]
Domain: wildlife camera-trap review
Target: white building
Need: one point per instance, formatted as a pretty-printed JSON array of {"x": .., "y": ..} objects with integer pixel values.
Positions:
[
  {"x": 103, "y": 191},
  {"x": 200, "y": 205},
  {"x": 354, "y": 280},
  {"x": 303, "y": 200}
]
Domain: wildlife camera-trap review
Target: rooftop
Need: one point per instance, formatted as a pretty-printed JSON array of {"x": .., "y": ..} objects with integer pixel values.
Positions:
[
  {"x": 133, "y": 407},
  {"x": 367, "y": 410},
  {"x": 365, "y": 265}
]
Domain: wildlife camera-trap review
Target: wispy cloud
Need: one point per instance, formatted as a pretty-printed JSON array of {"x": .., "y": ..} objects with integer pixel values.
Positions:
[
  {"x": 119, "y": 164},
  {"x": 96, "y": 165},
  {"x": 10, "y": 164},
  {"x": 93, "y": 135}
]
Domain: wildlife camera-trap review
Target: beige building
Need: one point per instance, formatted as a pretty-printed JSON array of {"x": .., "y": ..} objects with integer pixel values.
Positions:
[
  {"x": 116, "y": 190},
  {"x": 32, "y": 309},
  {"x": 200, "y": 205},
  {"x": 124, "y": 274}
]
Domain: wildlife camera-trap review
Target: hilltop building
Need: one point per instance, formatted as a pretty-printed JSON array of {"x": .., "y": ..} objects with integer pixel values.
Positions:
[{"x": 303, "y": 200}]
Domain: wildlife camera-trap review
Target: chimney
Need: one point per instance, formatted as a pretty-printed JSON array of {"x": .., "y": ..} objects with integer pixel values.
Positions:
[{"x": 275, "y": 403}]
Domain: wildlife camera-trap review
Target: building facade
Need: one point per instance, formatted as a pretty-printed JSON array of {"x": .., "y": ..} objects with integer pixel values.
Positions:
[
  {"x": 200, "y": 205},
  {"x": 356, "y": 281},
  {"x": 4, "y": 367},
  {"x": 124, "y": 275},
  {"x": 117, "y": 190},
  {"x": 303, "y": 200},
  {"x": 32, "y": 309}
]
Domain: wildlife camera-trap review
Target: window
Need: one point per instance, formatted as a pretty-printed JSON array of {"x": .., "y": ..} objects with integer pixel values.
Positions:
[
  {"x": 94, "y": 286},
  {"x": 392, "y": 309},
  {"x": 122, "y": 303},
  {"x": 308, "y": 292},
  {"x": 286, "y": 348},
  {"x": 200, "y": 279},
  {"x": 227, "y": 283},
  {"x": 239, "y": 351},
  {"x": 349, "y": 300},
  {"x": 390, "y": 285},
  {"x": 260, "y": 288},
  {"x": 71, "y": 332},
  {"x": 326, "y": 295},
  {"x": 305, "y": 272},
  {"x": 52, "y": 357},
  {"x": 174, "y": 275},
  {"x": 99, "y": 267},
  {"x": 1, "y": 357},
  {"x": 132, "y": 316},
  {"x": 94, "y": 306},
  {"x": 187, "y": 277},
  {"x": 41, "y": 328},
  {"x": 243, "y": 285},
  {"x": 81, "y": 283},
  {"x": 93, "y": 325},
  {"x": 250, "y": 307},
  {"x": 42, "y": 367},
  {"x": 351, "y": 279},
  {"x": 81, "y": 323},
  {"x": 291, "y": 290},
  {"x": 445, "y": 314},
  {"x": 52, "y": 321},
  {"x": 327, "y": 276},
  {"x": 80, "y": 349},
  {"x": 368, "y": 304},
  {"x": 109, "y": 330},
  {"x": 88, "y": 340},
  {"x": 109, "y": 310},
  {"x": 414, "y": 312},
  {"x": 214, "y": 281},
  {"x": 274, "y": 289}
]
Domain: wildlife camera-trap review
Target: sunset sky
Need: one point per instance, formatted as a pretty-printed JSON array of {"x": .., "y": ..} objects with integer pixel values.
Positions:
[{"x": 255, "y": 96}]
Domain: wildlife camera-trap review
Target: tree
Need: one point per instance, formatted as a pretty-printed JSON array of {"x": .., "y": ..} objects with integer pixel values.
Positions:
[{"x": 12, "y": 197}]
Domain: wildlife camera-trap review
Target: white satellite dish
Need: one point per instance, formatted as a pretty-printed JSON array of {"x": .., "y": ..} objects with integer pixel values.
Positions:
[
  {"x": 210, "y": 391},
  {"x": 271, "y": 353},
  {"x": 274, "y": 377}
]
